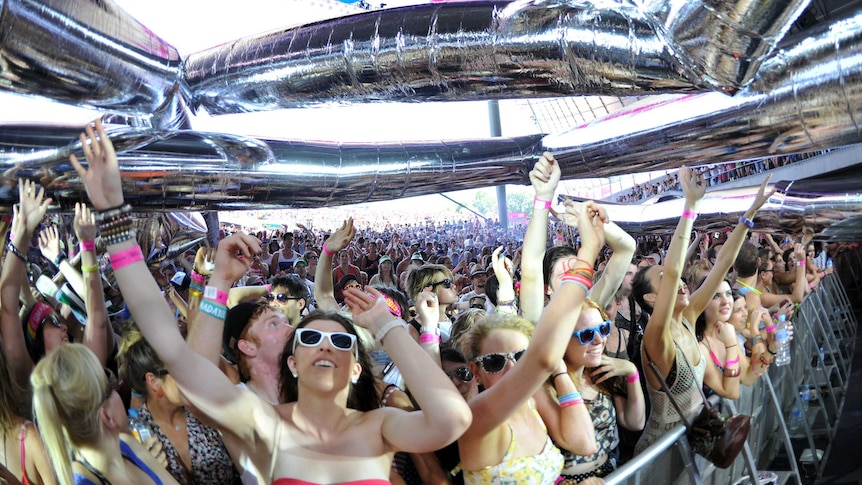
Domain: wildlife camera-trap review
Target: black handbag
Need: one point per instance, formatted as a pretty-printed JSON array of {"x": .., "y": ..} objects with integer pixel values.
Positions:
[{"x": 711, "y": 435}]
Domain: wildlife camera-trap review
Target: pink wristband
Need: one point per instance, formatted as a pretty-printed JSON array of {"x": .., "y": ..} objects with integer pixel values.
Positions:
[
  {"x": 326, "y": 250},
  {"x": 429, "y": 338},
  {"x": 731, "y": 362},
  {"x": 770, "y": 328},
  {"x": 689, "y": 214},
  {"x": 800, "y": 263},
  {"x": 126, "y": 257},
  {"x": 197, "y": 277},
  {"x": 634, "y": 377},
  {"x": 541, "y": 203},
  {"x": 87, "y": 246},
  {"x": 215, "y": 294},
  {"x": 267, "y": 286}
]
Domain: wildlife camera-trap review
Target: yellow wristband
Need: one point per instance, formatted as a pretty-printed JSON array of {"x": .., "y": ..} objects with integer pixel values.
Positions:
[{"x": 90, "y": 269}]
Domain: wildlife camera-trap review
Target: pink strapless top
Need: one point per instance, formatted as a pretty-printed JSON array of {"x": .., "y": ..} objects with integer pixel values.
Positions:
[{"x": 294, "y": 481}]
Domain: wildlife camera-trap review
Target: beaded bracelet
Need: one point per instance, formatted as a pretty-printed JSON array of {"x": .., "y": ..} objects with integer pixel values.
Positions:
[
  {"x": 12, "y": 249},
  {"x": 114, "y": 212}
]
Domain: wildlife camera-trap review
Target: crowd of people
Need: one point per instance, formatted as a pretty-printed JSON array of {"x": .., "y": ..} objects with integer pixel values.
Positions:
[
  {"x": 433, "y": 353},
  {"x": 713, "y": 175}
]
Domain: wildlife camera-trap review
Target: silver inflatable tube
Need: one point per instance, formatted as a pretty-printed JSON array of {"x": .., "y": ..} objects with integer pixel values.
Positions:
[
  {"x": 89, "y": 54},
  {"x": 804, "y": 98},
  {"x": 442, "y": 51}
]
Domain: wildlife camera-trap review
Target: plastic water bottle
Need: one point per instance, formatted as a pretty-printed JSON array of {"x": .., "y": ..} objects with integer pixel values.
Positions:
[
  {"x": 795, "y": 419},
  {"x": 782, "y": 338},
  {"x": 140, "y": 430},
  {"x": 805, "y": 396}
]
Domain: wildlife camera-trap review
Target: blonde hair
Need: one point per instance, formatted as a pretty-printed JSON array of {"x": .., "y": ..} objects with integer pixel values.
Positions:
[
  {"x": 68, "y": 385},
  {"x": 471, "y": 341},
  {"x": 10, "y": 398},
  {"x": 423, "y": 276},
  {"x": 463, "y": 322}
]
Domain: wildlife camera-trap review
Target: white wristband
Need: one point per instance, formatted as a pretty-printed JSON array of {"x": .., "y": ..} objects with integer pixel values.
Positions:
[
  {"x": 381, "y": 334},
  {"x": 435, "y": 330}
]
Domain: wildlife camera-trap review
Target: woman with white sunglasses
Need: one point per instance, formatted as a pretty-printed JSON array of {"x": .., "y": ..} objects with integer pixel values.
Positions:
[{"x": 319, "y": 438}]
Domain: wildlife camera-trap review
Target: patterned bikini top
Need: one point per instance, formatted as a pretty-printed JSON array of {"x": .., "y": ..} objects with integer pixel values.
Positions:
[{"x": 538, "y": 469}]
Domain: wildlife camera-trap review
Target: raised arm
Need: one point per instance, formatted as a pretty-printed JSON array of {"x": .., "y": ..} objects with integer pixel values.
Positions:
[
  {"x": 624, "y": 247},
  {"x": 201, "y": 381},
  {"x": 544, "y": 177},
  {"x": 658, "y": 341},
  {"x": 548, "y": 344},
  {"x": 26, "y": 216},
  {"x": 444, "y": 414},
  {"x": 324, "y": 294},
  {"x": 727, "y": 255},
  {"x": 98, "y": 336},
  {"x": 49, "y": 246}
]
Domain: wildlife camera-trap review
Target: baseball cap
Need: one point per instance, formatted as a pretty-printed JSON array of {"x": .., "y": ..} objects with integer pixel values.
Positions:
[
  {"x": 238, "y": 317},
  {"x": 477, "y": 271},
  {"x": 385, "y": 259},
  {"x": 417, "y": 256},
  {"x": 300, "y": 261}
]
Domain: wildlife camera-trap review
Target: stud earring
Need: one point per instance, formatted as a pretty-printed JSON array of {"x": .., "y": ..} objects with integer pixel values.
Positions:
[
  {"x": 354, "y": 381},
  {"x": 295, "y": 375}
]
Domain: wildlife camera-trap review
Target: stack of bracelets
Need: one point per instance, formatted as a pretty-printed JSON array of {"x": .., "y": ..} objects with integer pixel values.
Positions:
[
  {"x": 582, "y": 277},
  {"x": 116, "y": 225},
  {"x": 196, "y": 288},
  {"x": 570, "y": 399},
  {"x": 728, "y": 372}
]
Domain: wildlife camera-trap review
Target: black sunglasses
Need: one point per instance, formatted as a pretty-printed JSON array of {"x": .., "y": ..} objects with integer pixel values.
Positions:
[
  {"x": 281, "y": 297},
  {"x": 462, "y": 373},
  {"x": 587, "y": 335},
  {"x": 447, "y": 283},
  {"x": 494, "y": 363}
]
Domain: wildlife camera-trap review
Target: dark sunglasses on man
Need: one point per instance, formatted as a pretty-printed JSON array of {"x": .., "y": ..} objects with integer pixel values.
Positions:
[{"x": 281, "y": 297}]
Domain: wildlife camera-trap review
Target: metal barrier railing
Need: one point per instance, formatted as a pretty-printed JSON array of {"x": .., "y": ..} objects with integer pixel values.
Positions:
[{"x": 824, "y": 320}]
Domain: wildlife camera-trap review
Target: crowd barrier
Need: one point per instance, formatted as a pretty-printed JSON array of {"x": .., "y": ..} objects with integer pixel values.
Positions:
[{"x": 821, "y": 357}]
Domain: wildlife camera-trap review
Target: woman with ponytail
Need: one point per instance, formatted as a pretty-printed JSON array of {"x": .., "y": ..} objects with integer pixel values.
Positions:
[{"x": 81, "y": 419}]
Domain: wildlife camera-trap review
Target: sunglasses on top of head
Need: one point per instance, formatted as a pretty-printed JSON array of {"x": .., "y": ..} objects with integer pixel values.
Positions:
[
  {"x": 494, "y": 363},
  {"x": 309, "y": 337},
  {"x": 462, "y": 373},
  {"x": 447, "y": 283},
  {"x": 281, "y": 297},
  {"x": 588, "y": 335}
]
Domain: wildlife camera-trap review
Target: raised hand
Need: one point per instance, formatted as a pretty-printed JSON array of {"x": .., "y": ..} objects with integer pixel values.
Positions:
[
  {"x": 545, "y": 176},
  {"x": 49, "y": 243},
  {"x": 102, "y": 178},
  {"x": 84, "y": 223},
  {"x": 32, "y": 204},
  {"x": 427, "y": 308},
  {"x": 693, "y": 185},
  {"x": 368, "y": 307},
  {"x": 762, "y": 194},
  {"x": 591, "y": 223},
  {"x": 233, "y": 256},
  {"x": 341, "y": 237},
  {"x": 205, "y": 261},
  {"x": 502, "y": 268}
]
